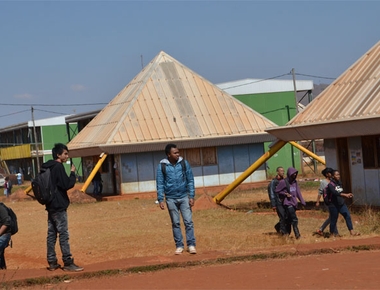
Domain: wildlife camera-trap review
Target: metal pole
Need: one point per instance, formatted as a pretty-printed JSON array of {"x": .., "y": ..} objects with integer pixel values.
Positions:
[
  {"x": 295, "y": 88},
  {"x": 103, "y": 157},
  {"x": 35, "y": 142},
  {"x": 273, "y": 149}
]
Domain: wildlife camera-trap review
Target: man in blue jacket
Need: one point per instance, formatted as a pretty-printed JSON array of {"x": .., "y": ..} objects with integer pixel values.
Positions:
[{"x": 175, "y": 184}]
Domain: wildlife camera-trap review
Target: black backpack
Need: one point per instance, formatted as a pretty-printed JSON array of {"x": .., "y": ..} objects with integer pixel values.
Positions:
[
  {"x": 42, "y": 187},
  {"x": 327, "y": 195},
  {"x": 12, "y": 215}
]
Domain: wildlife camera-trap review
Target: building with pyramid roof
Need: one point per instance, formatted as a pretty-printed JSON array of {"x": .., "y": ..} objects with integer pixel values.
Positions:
[
  {"x": 347, "y": 116},
  {"x": 169, "y": 103}
]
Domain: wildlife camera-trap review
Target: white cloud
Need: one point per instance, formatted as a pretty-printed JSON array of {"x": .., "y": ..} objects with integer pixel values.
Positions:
[
  {"x": 78, "y": 88},
  {"x": 23, "y": 96}
]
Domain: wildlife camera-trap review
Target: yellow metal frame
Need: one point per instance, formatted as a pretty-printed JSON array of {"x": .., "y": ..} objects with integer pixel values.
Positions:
[
  {"x": 272, "y": 150},
  {"x": 103, "y": 157}
]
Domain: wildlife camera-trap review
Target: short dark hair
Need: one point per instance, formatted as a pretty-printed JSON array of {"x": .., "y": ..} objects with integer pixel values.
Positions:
[
  {"x": 58, "y": 150},
  {"x": 169, "y": 147},
  {"x": 326, "y": 171},
  {"x": 279, "y": 168}
]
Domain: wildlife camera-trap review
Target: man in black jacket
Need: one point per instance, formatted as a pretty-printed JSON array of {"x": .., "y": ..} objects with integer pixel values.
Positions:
[
  {"x": 57, "y": 209},
  {"x": 282, "y": 227}
]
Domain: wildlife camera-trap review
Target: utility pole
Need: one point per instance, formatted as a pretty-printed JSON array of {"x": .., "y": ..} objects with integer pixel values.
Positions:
[
  {"x": 295, "y": 88},
  {"x": 295, "y": 98},
  {"x": 35, "y": 141},
  {"x": 142, "y": 61}
]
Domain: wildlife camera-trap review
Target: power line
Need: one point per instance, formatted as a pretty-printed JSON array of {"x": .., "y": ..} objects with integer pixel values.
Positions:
[
  {"x": 50, "y": 112},
  {"x": 318, "y": 77},
  {"x": 15, "y": 113},
  {"x": 258, "y": 81}
]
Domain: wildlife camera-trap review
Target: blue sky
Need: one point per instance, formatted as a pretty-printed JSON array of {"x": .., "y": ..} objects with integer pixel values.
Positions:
[{"x": 85, "y": 52}]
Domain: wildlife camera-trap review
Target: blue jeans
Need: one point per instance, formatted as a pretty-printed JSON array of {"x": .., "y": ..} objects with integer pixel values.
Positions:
[
  {"x": 175, "y": 207},
  {"x": 4, "y": 242},
  {"x": 58, "y": 225},
  {"x": 335, "y": 210}
]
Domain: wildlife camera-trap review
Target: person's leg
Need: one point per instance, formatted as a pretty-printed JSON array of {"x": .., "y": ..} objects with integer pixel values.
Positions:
[
  {"x": 4, "y": 242},
  {"x": 100, "y": 187},
  {"x": 175, "y": 218},
  {"x": 187, "y": 217},
  {"x": 294, "y": 220},
  {"x": 325, "y": 224},
  {"x": 51, "y": 240},
  {"x": 96, "y": 187},
  {"x": 282, "y": 216},
  {"x": 61, "y": 224},
  {"x": 343, "y": 210},
  {"x": 333, "y": 218}
]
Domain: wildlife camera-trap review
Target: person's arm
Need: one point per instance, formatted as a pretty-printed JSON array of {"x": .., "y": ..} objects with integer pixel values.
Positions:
[
  {"x": 272, "y": 195},
  {"x": 160, "y": 186},
  {"x": 320, "y": 192},
  {"x": 282, "y": 189},
  {"x": 63, "y": 181},
  {"x": 190, "y": 183},
  {"x": 3, "y": 229},
  {"x": 299, "y": 195}
]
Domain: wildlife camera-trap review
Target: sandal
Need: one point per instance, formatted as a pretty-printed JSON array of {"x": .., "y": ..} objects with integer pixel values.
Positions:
[
  {"x": 319, "y": 232},
  {"x": 355, "y": 234}
]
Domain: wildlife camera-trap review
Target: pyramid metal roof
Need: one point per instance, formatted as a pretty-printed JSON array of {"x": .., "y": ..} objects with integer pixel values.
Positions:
[
  {"x": 350, "y": 106},
  {"x": 168, "y": 102}
]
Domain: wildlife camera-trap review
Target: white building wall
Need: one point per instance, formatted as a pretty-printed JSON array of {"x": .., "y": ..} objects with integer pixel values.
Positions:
[{"x": 365, "y": 183}]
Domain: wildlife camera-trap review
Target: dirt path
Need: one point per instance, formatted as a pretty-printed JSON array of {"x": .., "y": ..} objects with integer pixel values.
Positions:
[{"x": 348, "y": 270}]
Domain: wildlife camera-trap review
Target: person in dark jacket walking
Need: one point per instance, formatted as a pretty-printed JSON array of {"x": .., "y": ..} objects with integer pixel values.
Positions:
[
  {"x": 337, "y": 205},
  {"x": 5, "y": 234},
  {"x": 327, "y": 173},
  {"x": 57, "y": 209},
  {"x": 281, "y": 227},
  {"x": 289, "y": 190},
  {"x": 175, "y": 185}
]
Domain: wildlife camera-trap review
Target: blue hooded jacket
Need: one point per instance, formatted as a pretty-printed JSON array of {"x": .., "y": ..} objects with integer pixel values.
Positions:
[
  {"x": 295, "y": 191},
  {"x": 174, "y": 185}
]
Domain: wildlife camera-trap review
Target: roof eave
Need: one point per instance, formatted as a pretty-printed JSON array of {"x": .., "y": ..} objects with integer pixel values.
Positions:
[
  {"x": 328, "y": 130},
  {"x": 158, "y": 146}
]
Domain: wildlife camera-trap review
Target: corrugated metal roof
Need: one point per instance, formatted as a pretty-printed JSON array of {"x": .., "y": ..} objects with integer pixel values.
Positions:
[
  {"x": 350, "y": 106},
  {"x": 261, "y": 86},
  {"x": 167, "y": 102}
]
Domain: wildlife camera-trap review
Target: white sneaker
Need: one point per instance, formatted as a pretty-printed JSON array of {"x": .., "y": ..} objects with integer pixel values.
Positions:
[
  {"x": 178, "y": 251},
  {"x": 192, "y": 250}
]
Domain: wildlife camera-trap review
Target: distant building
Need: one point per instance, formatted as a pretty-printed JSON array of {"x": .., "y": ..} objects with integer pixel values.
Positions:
[
  {"x": 275, "y": 100},
  {"x": 169, "y": 103},
  {"x": 347, "y": 116},
  {"x": 19, "y": 147}
]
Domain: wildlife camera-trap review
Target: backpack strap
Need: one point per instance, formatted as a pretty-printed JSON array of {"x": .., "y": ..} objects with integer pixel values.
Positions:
[
  {"x": 183, "y": 165},
  {"x": 287, "y": 185}
]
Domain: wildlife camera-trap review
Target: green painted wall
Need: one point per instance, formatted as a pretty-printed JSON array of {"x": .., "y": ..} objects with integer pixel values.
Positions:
[
  {"x": 56, "y": 134},
  {"x": 279, "y": 108}
]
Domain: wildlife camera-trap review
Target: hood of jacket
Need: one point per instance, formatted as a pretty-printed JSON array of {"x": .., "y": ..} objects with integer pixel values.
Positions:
[
  {"x": 49, "y": 164},
  {"x": 166, "y": 160},
  {"x": 290, "y": 172}
]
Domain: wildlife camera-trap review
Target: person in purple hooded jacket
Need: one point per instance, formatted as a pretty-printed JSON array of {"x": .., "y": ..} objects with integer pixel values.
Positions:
[{"x": 288, "y": 188}]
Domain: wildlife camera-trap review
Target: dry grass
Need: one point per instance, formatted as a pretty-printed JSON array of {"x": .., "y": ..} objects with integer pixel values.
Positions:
[{"x": 104, "y": 231}]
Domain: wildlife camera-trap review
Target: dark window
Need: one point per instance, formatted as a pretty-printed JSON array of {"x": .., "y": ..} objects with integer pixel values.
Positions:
[
  {"x": 200, "y": 156},
  {"x": 371, "y": 151}
]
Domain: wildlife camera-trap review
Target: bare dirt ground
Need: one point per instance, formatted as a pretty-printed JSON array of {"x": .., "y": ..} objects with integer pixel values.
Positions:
[{"x": 343, "y": 263}]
